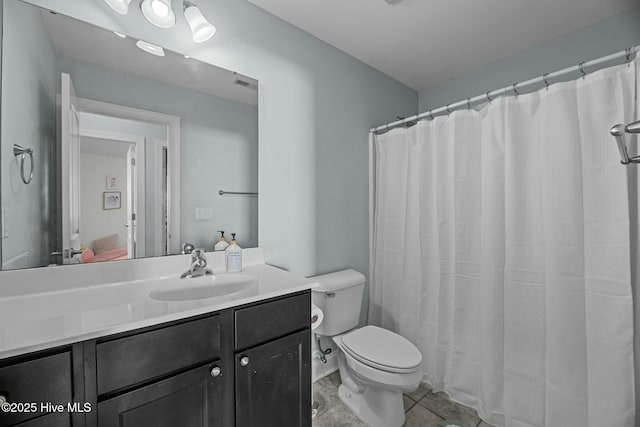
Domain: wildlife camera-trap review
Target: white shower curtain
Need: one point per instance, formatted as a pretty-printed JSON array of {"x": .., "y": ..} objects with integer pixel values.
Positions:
[{"x": 501, "y": 248}]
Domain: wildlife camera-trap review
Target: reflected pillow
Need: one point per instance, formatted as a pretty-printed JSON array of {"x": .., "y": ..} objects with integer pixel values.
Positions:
[
  {"x": 87, "y": 255},
  {"x": 105, "y": 244}
]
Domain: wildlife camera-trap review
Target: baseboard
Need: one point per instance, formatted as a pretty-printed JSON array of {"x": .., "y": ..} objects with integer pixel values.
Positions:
[{"x": 321, "y": 370}]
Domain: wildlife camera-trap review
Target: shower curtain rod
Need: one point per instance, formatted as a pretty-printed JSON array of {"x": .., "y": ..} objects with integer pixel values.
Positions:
[{"x": 514, "y": 88}]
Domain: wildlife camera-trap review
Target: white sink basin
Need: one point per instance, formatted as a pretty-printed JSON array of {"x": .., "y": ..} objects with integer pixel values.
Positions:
[{"x": 221, "y": 285}]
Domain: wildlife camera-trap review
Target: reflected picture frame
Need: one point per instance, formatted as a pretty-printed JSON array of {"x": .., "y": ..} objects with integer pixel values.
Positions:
[{"x": 111, "y": 200}]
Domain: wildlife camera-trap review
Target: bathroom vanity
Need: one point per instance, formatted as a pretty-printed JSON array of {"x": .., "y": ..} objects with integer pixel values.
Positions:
[{"x": 217, "y": 362}]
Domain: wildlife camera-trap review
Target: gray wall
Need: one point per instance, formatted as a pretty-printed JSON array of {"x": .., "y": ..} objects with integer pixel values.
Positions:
[
  {"x": 29, "y": 119},
  {"x": 97, "y": 222},
  {"x": 218, "y": 148},
  {"x": 316, "y": 105},
  {"x": 602, "y": 38}
]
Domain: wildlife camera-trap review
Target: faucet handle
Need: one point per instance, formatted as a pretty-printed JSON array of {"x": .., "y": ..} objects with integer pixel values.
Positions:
[{"x": 197, "y": 253}]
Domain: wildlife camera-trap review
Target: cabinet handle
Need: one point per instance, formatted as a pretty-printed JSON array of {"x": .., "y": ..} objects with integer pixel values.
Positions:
[
  {"x": 3, "y": 399},
  {"x": 216, "y": 371},
  {"x": 244, "y": 361}
]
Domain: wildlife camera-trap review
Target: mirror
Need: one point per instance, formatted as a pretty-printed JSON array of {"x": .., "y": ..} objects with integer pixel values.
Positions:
[{"x": 134, "y": 152}]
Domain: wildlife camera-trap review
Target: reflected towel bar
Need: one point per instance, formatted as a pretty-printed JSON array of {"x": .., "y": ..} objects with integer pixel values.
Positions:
[
  {"x": 237, "y": 193},
  {"x": 21, "y": 151}
]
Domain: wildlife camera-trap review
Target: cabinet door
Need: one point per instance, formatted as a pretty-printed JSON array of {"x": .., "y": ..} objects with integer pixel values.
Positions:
[
  {"x": 195, "y": 398},
  {"x": 51, "y": 420},
  {"x": 44, "y": 379},
  {"x": 273, "y": 383}
]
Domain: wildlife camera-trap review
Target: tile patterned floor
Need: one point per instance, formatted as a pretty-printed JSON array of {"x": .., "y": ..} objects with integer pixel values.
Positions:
[{"x": 423, "y": 407}]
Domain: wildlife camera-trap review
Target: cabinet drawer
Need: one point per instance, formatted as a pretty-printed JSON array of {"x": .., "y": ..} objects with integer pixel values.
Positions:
[
  {"x": 135, "y": 359},
  {"x": 261, "y": 323},
  {"x": 47, "y": 379}
]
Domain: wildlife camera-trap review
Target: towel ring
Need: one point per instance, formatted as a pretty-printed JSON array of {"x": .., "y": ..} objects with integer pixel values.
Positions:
[{"x": 22, "y": 152}]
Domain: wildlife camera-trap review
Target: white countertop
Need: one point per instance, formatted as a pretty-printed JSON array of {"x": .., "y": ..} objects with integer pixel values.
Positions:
[{"x": 39, "y": 320}]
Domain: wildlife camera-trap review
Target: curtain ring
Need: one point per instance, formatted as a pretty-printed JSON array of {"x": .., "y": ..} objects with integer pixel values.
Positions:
[
  {"x": 546, "y": 82},
  {"x": 515, "y": 89},
  {"x": 488, "y": 97},
  {"x": 581, "y": 66},
  {"x": 629, "y": 51},
  {"x": 448, "y": 110},
  {"x": 469, "y": 103},
  {"x": 430, "y": 115}
]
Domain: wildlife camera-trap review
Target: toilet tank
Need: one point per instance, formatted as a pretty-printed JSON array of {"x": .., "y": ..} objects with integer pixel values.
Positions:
[{"x": 339, "y": 296}]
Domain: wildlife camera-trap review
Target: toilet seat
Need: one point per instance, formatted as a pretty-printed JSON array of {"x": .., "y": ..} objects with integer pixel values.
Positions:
[{"x": 382, "y": 349}]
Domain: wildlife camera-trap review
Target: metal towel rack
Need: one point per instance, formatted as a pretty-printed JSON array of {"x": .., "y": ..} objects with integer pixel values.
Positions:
[
  {"x": 237, "y": 193},
  {"x": 618, "y": 132},
  {"x": 21, "y": 151}
]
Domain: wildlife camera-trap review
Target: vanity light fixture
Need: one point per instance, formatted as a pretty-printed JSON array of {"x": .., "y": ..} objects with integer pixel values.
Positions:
[
  {"x": 201, "y": 29},
  {"x": 158, "y": 12},
  {"x": 120, "y": 6},
  {"x": 150, "y": 48}
]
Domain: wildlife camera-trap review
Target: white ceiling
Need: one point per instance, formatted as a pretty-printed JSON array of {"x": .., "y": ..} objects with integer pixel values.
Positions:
[
  {"x": 423, "y": 42},
  {"x": 104, "y": 147},
  {"x": 81, "y": 41}
]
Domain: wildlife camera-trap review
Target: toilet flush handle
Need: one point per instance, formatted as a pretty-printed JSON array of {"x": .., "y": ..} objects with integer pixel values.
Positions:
[{"x": 330, "y": 295}]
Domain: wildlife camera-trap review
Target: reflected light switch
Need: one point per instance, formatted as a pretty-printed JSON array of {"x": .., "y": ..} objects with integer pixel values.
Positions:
[{"x": 203, "y": 213}]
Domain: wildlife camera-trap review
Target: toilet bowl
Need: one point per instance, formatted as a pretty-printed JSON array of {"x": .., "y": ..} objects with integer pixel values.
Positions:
[{"x": 376, "y": 365}]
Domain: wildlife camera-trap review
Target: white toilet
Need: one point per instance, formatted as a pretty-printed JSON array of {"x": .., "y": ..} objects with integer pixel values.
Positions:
[{"x": 376, "y": 365}]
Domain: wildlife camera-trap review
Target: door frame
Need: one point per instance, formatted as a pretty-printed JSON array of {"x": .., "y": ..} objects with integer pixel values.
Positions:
[
  {"x": 158, "y": 146},
  {"x": 139, "y": 143},
  {"x": 173, "y": 162}
]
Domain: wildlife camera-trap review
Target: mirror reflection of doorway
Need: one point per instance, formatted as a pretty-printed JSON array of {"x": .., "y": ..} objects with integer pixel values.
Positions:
[
  {"x": 135, "y": 157},
  {"x": 115, "y": 185},
  {"x": 110, "y": 167}
]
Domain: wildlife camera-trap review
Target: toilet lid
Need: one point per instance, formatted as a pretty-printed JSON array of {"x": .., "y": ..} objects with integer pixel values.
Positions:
[{"x": 382, "y": 347}]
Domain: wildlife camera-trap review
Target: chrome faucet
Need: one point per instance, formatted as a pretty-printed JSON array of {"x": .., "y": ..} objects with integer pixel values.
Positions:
[{"x": 198, "y": 266}]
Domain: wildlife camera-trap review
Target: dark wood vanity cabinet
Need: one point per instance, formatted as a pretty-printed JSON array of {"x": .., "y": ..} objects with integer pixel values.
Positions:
[
  {"x": 175, "y": 375},
  {"x": 273, "y": 363},
  {"x": 247, "y": 366},
  {"x": 192, "y": 399},
  {"x": 273, "y": 383},
  {"x": 28, "y": 382}
]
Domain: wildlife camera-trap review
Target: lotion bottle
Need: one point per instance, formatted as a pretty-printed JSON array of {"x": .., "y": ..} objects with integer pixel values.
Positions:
[
  {"x": 234, "y": 256},
  {"x": 222, "y": 242}
]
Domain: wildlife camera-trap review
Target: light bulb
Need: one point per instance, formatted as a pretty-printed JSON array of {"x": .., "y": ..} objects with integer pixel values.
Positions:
[
  {"x": 120, "y": 6},
  {"x": 201, "y": 29},
  {"x": 158, "y": 12},
  {"x": 160, "y": 8}
]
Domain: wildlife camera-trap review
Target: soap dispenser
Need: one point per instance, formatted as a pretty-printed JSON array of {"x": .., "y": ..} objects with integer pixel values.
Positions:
[
  {"x": 222, "y": 242},
  {"x": 234, "y": 256}
]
